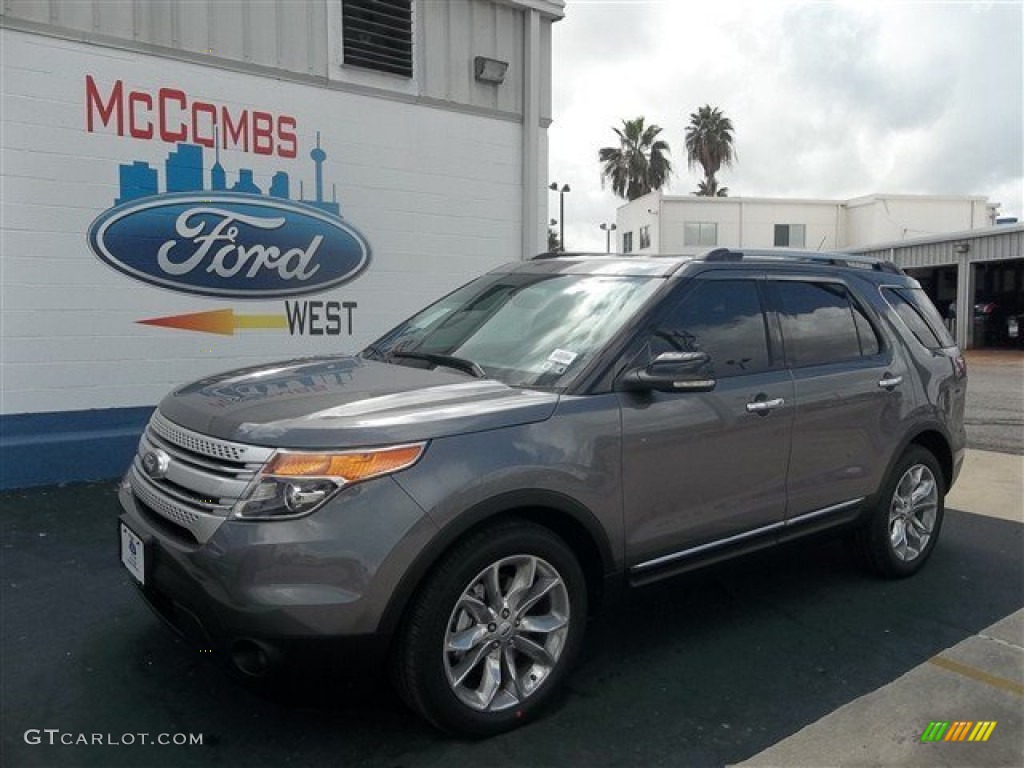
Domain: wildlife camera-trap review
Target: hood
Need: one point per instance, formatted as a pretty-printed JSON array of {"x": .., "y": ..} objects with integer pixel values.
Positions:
[{"x": 344, "y": 402}]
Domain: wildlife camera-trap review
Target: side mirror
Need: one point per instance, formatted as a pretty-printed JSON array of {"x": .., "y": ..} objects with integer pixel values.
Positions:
[{"x": 672, "y": 372}]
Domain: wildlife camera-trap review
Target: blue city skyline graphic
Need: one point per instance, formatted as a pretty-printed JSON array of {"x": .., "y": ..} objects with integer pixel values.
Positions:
[{"x": 185, "y": 171}]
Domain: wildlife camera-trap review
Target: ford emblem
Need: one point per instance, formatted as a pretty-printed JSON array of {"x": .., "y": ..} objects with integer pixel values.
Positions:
[
  {"x": 229, "y": 244},
  {"x": 155, "y": 463}
]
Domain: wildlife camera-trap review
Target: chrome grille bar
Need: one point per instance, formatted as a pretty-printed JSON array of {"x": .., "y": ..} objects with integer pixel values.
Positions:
[{"x": 201, "y": 479}]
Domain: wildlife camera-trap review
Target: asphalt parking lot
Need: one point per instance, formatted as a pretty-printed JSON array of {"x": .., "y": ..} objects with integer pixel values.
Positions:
[
  {"x": 712, "y": 668},
  {"x": 995, "y": 402}
]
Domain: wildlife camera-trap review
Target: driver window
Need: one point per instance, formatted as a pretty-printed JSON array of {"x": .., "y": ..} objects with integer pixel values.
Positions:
[{"x": 723, "y": 318}]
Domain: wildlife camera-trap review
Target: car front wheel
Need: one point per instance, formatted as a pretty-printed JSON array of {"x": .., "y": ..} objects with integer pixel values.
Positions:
[{"x": 493, "y": 631}]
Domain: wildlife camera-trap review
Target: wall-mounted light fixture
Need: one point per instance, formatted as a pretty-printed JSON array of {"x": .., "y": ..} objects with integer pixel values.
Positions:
[
  {"x": 489, "y": 70},
  {"x": 961, "y": 247}
]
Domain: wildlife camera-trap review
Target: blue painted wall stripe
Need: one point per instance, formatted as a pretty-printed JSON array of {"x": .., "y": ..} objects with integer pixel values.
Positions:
[{"x": 68, "y": 446}]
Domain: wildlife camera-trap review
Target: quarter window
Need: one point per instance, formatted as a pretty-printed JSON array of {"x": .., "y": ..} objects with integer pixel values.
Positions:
[
  {"x": 723, "y": 318},
  {"x": 917, "y": 311},
  {"x": 823, "y": 324}
]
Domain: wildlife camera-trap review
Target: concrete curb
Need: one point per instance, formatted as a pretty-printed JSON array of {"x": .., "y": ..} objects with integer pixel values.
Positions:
[
  {"x": 979, "y": 679},
  {"x": 990, "y": 484}
]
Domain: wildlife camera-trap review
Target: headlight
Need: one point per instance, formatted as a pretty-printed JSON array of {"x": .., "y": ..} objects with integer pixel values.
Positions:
[{"x": 294, "y": 483}]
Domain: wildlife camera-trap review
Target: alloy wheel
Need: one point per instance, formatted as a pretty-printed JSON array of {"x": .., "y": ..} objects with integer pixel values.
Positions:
[
  {"x": 506, "y": 633},
  {"x": 913, "y": 512}
]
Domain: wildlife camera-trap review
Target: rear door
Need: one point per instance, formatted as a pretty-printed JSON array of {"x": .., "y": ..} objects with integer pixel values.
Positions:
[
  {"x": 701, "y": 469},
  {"x": 848, "y": 388}
]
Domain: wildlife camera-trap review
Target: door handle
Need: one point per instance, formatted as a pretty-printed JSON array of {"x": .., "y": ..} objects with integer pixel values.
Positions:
[
  {"x": 763, "y": 406},
  {"x": 888, "y": 382}
]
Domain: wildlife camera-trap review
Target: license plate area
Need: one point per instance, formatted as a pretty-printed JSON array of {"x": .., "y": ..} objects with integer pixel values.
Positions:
[{"x": 133, "y": 554}]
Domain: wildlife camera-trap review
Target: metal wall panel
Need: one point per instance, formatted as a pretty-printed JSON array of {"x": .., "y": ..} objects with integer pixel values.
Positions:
[
  {"x": 160, "y": 23},
  {"x": 510, "y": 47},
  {"x": 73, "y": 15},
  {"x": 227, "y": 29},
  {"x": 261, "y": 34},
  {"x": 115, "y": 18},
  {"x": 292, "y": 36},
  {"x": 545, "y": 66},
  {"x": 455, "y": 32},
  {"x": 194, "y": 27},
  {"x": 30, "y": 10},
  {"x": 989, "y": 246}
]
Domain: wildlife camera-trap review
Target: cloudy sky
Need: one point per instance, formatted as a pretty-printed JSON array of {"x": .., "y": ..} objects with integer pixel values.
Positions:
[{"x": 828, "y": 99}]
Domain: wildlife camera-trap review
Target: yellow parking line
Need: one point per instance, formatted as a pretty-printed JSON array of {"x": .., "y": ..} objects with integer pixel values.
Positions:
[{"x": 977, "y": 674}]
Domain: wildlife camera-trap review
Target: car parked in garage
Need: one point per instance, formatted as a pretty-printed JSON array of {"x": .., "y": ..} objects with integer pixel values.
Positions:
[
  {"x": 999, "y": 319},
  {"x": 465, "y": 489}
]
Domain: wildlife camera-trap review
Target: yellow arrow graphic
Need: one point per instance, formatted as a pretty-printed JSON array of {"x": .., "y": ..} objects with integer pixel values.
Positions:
[{"x": 220, "y": 321}]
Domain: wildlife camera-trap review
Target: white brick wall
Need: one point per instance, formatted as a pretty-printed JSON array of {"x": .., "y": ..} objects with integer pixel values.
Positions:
[{"x": 436, "y": 193}]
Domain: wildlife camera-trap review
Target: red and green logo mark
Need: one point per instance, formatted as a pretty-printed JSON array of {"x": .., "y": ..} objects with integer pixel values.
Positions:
[{"x": 958, "y": 730}]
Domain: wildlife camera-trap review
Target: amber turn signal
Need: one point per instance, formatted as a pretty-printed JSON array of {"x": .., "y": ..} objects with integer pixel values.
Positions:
[{"x": 351, "y": 467}]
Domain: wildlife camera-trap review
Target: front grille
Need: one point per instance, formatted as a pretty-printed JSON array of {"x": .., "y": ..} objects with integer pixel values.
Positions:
[{"x": 203, "y": 479}]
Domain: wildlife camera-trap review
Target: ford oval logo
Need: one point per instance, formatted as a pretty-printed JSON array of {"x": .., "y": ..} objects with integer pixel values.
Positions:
[
  {"x": 229, "y": 244},
  {"x": 155, "y": 463}
]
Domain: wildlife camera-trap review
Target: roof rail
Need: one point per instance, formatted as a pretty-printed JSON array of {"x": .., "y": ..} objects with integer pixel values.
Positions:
[
  {"x": 567, "y": 254},
  {"x": 822, "y": 257}
]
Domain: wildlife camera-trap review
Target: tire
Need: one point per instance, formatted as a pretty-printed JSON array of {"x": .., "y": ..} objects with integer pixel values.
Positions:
[
  {"x": 904, "y": 526},
  {"x": 493, "y": 631}
]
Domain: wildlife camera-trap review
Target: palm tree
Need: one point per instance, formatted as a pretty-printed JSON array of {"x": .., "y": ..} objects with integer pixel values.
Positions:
[
  {"x": 554, "y": 244},
  {"x": 639, "y": 164},
  {"x": 709, "y": 143},
  {"x": 710, "y": 188}
]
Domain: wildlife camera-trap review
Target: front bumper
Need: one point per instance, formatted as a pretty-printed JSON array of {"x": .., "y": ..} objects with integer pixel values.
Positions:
[{"x": 328, "y": 575}]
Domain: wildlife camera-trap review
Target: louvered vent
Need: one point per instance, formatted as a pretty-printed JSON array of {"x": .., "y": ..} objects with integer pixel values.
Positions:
[{"x": 378, "y": 35}]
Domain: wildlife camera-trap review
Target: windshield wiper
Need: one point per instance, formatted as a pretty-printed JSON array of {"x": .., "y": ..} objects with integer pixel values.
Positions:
[{"x": 449, "y": 361}]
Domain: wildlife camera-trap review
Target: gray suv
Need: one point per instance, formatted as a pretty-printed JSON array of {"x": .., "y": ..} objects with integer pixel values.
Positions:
[{"x": 463, "y": 491}]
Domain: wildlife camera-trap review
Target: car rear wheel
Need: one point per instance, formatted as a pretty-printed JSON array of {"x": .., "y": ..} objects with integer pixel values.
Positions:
[
  {"x": 493, "y": 631},
  {"x": 904, "y": 528}
]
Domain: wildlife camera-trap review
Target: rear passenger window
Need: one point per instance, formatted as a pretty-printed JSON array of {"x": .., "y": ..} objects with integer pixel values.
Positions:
[
  {"x": 823, "y": 324},
  {"x": 917, "y": 311},
  {"x": 723, "y": 318}
]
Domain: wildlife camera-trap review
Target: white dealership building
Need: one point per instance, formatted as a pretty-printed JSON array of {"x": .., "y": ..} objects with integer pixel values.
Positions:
[{"x": 194, "y": 185}]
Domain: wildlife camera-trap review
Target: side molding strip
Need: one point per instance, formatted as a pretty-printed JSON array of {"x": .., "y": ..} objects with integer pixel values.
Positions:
[{"x": 746, "y": 535}]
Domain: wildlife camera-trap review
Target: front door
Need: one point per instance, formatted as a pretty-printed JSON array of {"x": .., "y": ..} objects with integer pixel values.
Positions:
[{"x": 702, "y": 471}]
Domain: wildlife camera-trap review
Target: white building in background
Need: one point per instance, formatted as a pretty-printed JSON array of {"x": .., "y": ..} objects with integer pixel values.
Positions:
[
  {"x": 952, "y": 245},
  {"x": 660, "y": 223},
  {"x": 190, "y": 186}
]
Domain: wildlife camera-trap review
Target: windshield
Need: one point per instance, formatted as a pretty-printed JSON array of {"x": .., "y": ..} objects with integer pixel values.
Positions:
[{"x": 523, "y": 329}]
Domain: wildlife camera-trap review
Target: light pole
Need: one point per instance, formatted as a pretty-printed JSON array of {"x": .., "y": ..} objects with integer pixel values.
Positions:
[
  {"x": 561, "y": 210},
  {"x": 608, "y": 229}
]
